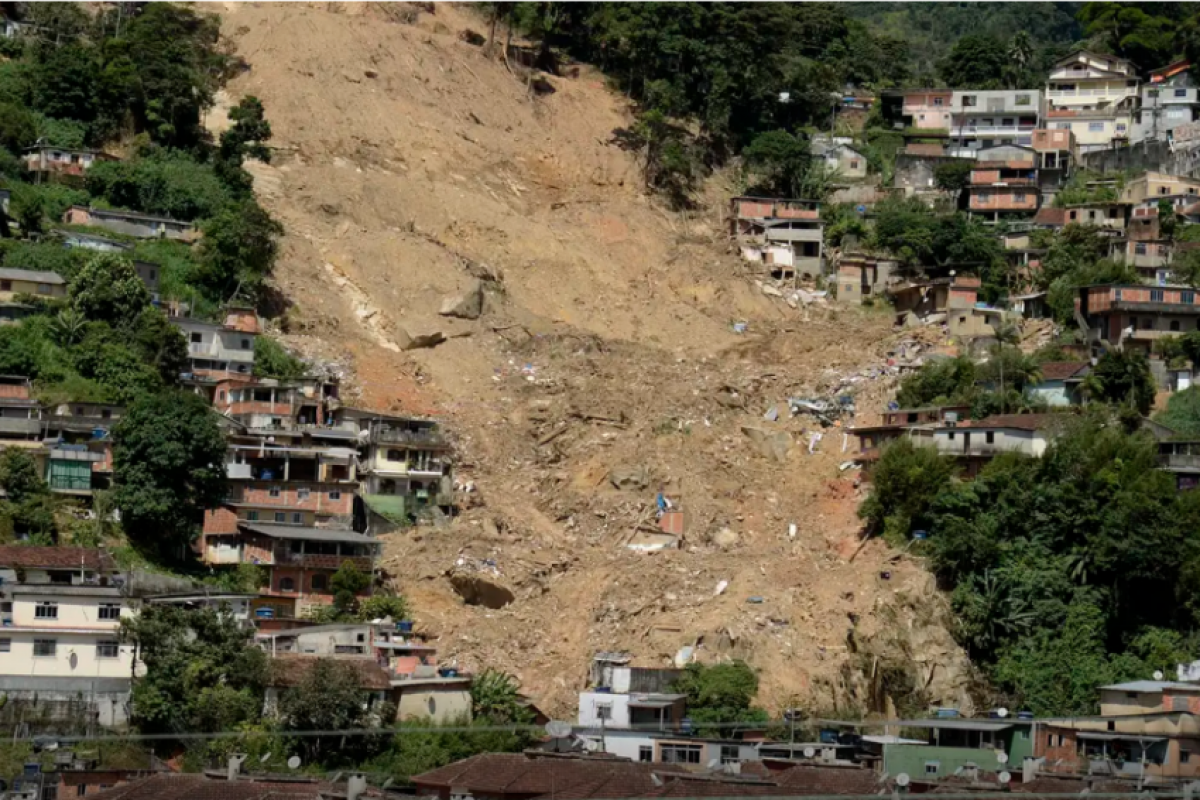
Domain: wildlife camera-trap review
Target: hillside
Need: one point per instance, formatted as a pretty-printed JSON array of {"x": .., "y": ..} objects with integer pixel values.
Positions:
[{"x": 409, "y": 167}]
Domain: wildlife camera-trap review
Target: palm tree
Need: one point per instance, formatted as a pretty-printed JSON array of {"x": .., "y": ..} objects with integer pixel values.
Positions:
[
  {"x": 1020, "y": 58},
  {"x": 67, "y": 327}
]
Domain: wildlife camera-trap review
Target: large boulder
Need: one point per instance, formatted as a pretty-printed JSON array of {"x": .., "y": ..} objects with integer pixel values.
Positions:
[
  {"x": 629, "y": 478},
  {"x": 468, "y": 305},
  {"x": 478, "y": 590}
]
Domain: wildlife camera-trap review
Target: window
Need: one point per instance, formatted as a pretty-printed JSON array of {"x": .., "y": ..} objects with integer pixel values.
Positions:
[
  {"x": 1147, "y": 324},
  {"x": 108, "y": 649},
  {"x": 1071, "y": 215},
  {"x": 110, "y": 611},
  {"x": 952, "y": 436},
  {"x": 246, "y": 344},
  {"x": 319, "y": 583},
  {"x": 729, "y": 754},
  {"x": 1174, "y": 324},
  {"x": 1019, "y": 197},
  {"x": 362, "y": 637},
  {"x": 604, "y": 711},
  {"x": 853, "y": 164},
  {"x": 1023, "y": 100},
  {"x": 1112, "y": 725},
  {"x": 287, "y": 585},
  {"x": 335, "y": 494},
  {"x": 1184, "y": 756},
  {"x": 969, "y": 100},
  {"x": 50, "y": 791},
  {"x": 1156, "y": 295},
  {"x": 681, "y": 753},
  {"x": 273, "y": 491},
  {"x": 1006, "y": 122},
  {"x": 1164, "y": 190},
  {"x": 1095, "y": 127},
  {"x": 645, "y": 753},
  {"x": 281, "y": 516},
  {"x": 297, "y": 518},
  {"x": 932, "y": 767},
  {"x": 153, "y": 274},
  {"x": 45, "y": 648},
  {"x": 43, "y": 288},
  {"x": 1181, "y": 92},
  {"x": 80, "y": 789},
  {"x": 6, "y": 286},
  {"x": 1140, "y": 248},
  {"x": 197, "y": 338},
  {"x": 991, "y": 437},
  {"x": 985, "y": 197},
  {"x": 395, "y": 455},
  {"x": 302, "y": 493},
  {"x": 252, "y": 516},
  {"x": 46, "y": 610},
  {"x": 5, "y": 645},
  {"x": 106, "y": 413},
  {"x": 1187, "y": 298},
  {"x": 937, "y": 101}
]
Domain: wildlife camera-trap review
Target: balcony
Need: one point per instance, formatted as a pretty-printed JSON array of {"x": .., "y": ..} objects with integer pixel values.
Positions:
[
  {"x": 320, "y": 560},
  {"x": 423, "y": 438},
  {"x": 993, "y": 130},
  {"x": 1180, "y": 461}
]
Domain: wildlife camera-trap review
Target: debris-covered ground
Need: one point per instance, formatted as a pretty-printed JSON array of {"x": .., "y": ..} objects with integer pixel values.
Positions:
[{"x": 460, "y": 247}]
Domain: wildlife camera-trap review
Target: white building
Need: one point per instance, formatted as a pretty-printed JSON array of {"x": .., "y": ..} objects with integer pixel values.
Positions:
[
  {"x": 980, "y": 119},
  {"x": 59, "y": 645},
  {"x": 669, "y": 748},
  {"x": 1170, "y": 100},
  {"x": 218, "y": 351},
  {"x": 1093, "y": 96}
]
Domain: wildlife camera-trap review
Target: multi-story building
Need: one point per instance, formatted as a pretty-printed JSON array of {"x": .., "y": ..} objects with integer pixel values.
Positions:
[
  {"x": 221, "y": 351},
  {"x": 981, "y": 119},
  {"x": 1093, "y": 96},
  {"x": 1004, "y": 183},
  {"x": 1168, "y": 101},
  {"x": 901, "y": 422},
  {"x": 786, "y": 236},
  {"x": 1153, "y": 186},
  {"x": 928, "y": 110},
  {"x": 20, "y": 414},
  {"x": 59, "y": 643},
  {"x": 405, "y": 463},
  {"x": 1135, "y": 316},
  {"x": 1056, "y": 155}
]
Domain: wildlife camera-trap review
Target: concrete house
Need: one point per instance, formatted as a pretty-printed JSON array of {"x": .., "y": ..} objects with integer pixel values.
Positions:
[
  {"x": 959, "y": 747},
  {"x": 130, "y": 223},
  {"x": 1135, "y": 316},
  {"x": 406, "y": 463},
  {"x": 58, "y": 632},
  {"x": 928, "y": 109},
  {"x": 976, "y": 442},
  {"x": 1156, "y": 185},
  {"x": 1169, "y": 103},
  {"x": 840, "y": 157},
  {"x": 15, "y": 282},
  {"x": 1093, "y": 96},
  {"x": 785, "y": 236},
  {"x": 982, "y": 119},
  {"x": 61, "y": 160},
  {"x": 1004, "y": 183},
  {"x": 221, "y": 351},
  {"x": 861, "y": 276},
  {"x": 1061, "y": 383}
]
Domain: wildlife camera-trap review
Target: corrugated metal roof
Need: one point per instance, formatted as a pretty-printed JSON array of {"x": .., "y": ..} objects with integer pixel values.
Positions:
[
  {"x": 1152, "y": 686},
  {"x": 308, "y": 534},
  {"x": 32, "y": 275}
]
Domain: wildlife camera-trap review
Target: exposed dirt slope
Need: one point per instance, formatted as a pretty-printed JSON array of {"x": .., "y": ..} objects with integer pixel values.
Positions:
[{"x": 410, "y": 167}]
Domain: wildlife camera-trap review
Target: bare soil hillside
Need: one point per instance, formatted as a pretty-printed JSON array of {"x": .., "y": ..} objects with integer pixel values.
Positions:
[{"x": 604, "y": 368}]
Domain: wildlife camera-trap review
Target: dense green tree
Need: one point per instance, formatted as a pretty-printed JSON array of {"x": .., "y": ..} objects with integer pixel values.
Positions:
[
  {"x": 168, "y": 466},
  {"x": 904, "y": 484},
  {"x": 18, "y": 129},
  {"x": 496, "y": 697},
  {"x": 941, "y": 381},
  {"x": 168, "y": 182},
  {"x": 1182, "y": 414},
  {"x": 782, "y": 162},
  {"x": 27, "y": 208},
  {"x": 1149, "y": 40},
  {"x": 238, "y": 251},
  {"x": 381, "y": 606},
  {"x": 160, "y": 345},
  {"x": 976, "y": 61},
  {"x": 719, "y": 695},
  {"x": 203, "y": 670},
  {"x": 245, "y": 138},
  {"x": 346, "y": 585},
  {"x": 271, "y": 360},
  {"x": 20, "y": 476},
  {"x": 109, "y": 290},
  {"x": 330, "y": 697},
  {"x": 953, "y": 176},
  {"x": 1122, "y": 378}
]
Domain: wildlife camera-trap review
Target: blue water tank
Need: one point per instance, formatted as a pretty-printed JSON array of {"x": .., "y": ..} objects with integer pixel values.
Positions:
[
  {"x": 264, "y": 613},
  {"x": 404, "y": 626}
]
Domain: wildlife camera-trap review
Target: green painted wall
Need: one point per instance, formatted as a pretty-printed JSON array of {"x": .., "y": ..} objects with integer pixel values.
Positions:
[{"x": 913, "y": 758}]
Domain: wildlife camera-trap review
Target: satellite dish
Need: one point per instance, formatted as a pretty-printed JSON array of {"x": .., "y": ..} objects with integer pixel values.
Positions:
[
  {"x": 1001, "y": 712},
  {"x": 1002, "y": 758},
  {"x": 902, "y": 779},
  {"x": 1158, "y": 676},
  {"x": 294, "y": 762},
  {"x": 1004, "y": 778},
  {"x": 265, "y": 758},
  {"x": 716, "y": 762},
  {"x": 809, "y": 752},
  {"x": 558, "y": 729},
  {"x": 387, "y": 783}
]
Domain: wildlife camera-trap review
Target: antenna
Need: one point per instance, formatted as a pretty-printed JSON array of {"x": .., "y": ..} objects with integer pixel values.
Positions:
[
  {"x": 1004, "y": 778},
  {"x": 387, "y": 783},
  {"x": 902, "y": 779},
  {"x": 713, "y": 764},
  {"x": 265, "y": 758},
  {"x": 1001, "y": 712},
  {"x": 294, "y": 762},
  {"x": 558, "y": 729}
]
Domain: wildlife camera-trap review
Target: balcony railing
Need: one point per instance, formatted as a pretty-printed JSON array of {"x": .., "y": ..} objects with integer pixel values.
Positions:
[
  {"x": 1178, "y": 461},
  {"x": 431, "y": 438}
]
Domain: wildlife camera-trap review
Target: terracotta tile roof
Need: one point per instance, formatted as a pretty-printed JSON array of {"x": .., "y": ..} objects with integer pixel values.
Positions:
[
  {"x": 91, "y": 558},
  {"x": 1048, "y": 785},
  {"x": 1060, "y": 370},
  {"x": 290, "y": 671},
  {"x": 1048, "y": 215},
  {"x": 201, "y": 787},
  {"x": 1024, "y": 422},
  {"x": 809, "y": 780},
  {"x": 568, "y": 778}
]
